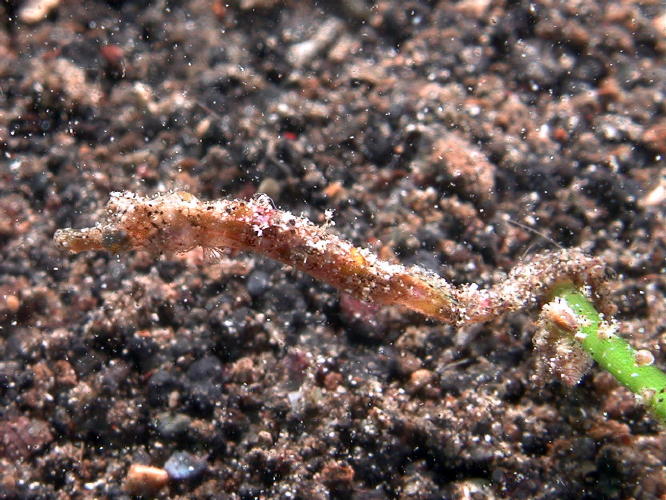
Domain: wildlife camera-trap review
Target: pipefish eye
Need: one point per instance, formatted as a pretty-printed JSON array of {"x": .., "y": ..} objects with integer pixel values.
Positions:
[{"x": 115, "y": 240}]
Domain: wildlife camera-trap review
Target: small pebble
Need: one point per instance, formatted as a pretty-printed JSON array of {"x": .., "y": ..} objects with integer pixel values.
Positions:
[
  {"x": 13, "y": 303},
  {"x": 655, "y": 137},
  {"x": 145, "y": 480},
  {"x": 171, "y": 426},
  {"x": 337, "y": 476},
  {"x": 302, "y": 53},
  {"x": 20, "y": 437},
  {"x": 264, "y": 438},
  {"x": 182, "y": 466},
  {"x": 34, "y": 11},
  {"x": 271, "y": 187},
  {"x": 258, "y": 282},
  {"x": 418, "y": 380},
  {"x": 242, "y": 371},
  {"x": 112, "y": 54},
  {"x": 332, "y": 380}
]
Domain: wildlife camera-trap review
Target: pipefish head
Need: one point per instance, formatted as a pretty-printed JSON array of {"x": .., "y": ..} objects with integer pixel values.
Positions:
[
  {"x": 166, "y": 223},
  {"x": 111, "y": 235}
]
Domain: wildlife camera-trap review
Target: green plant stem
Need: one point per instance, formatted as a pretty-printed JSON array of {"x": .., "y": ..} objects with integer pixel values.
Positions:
[{"x": 615, "y": 354}]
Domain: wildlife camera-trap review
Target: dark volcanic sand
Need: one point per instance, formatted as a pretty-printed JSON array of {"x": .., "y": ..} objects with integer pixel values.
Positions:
[{"x": 461, "y": 136}]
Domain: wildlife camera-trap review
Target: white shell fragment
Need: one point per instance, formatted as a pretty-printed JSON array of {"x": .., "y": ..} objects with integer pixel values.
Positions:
[{"x": 644, "y": 357}]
